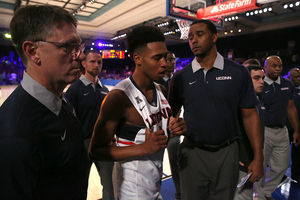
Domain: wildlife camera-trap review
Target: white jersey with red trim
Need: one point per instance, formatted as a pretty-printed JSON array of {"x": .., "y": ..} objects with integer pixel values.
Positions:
[{"x": 140, "y": 178}]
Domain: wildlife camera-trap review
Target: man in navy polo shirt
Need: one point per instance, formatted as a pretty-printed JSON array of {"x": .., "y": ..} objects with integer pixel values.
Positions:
[
  {"x": 277, "y": 96},
  {"x": 173, "y": 143},
  {"x": 212, "y": 91},
  {"x": 86, "y": 96},
  {"x": 246, "y": 153},
  {"x": 294, "y": 76},
  {"x": 42, "y": 152}
]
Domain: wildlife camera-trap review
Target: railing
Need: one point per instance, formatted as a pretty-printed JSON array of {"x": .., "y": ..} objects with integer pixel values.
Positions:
[{"x": 111, "y": 82}]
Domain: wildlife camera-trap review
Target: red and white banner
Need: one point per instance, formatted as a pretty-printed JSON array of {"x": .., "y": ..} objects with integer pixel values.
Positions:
[{"x": 226, "y": 8}]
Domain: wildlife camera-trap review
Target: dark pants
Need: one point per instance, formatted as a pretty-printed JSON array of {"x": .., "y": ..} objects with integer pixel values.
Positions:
[
  {"x": 296, "y": 163},
  {"x": 211, "y": 175},
  {"x": 173, "y": 150},
  {"x": 104, "y": 169}
]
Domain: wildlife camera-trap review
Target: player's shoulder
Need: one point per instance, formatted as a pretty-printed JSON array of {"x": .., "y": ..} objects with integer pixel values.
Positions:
[{"x": 116, "y": 96}]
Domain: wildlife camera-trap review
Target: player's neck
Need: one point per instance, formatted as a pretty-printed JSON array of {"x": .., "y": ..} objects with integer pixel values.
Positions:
[{"x": 143, "y": 82}]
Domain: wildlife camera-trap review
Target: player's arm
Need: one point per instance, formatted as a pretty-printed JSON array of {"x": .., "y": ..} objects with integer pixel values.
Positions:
[
  {"x": 293, "y": 118},
  {"x": 112, "y": 113},
  {"x": 252, "y": 127}
]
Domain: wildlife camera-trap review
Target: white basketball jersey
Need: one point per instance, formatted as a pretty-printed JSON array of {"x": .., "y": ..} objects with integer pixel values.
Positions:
[{"x": 140, "y": 178}]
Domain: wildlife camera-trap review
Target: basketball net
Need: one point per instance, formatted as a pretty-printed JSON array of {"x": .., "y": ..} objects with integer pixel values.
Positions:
[{"x": 184, "y": 27}]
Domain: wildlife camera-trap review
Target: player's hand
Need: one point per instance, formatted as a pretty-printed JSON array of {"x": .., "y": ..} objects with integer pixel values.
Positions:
[
  {"x": 296, "y": 140},
  {"x": 154, "y": 141},
  {"x": 256, "y": 167},
  {"x": 177, "y": 126}
]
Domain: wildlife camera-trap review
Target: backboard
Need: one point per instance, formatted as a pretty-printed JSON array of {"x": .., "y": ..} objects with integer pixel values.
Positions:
[
  {"x": 187, "y": 10},
  {"x": 184, "y": 9}
]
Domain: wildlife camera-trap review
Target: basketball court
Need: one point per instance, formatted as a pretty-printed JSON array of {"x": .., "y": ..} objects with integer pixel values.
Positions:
[{"x": 184, "y": 13}]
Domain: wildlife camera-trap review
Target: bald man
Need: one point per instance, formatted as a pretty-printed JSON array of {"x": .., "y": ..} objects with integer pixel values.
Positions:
[
  {"x": 278, "y": 98},
  {"x": 294, "y": 76}
]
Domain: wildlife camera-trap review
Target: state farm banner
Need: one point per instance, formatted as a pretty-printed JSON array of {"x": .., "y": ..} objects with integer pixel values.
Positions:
[{"x": 226, "y": 8}]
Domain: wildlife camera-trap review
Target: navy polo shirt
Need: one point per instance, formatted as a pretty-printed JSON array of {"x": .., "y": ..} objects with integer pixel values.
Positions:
[
  {"x": 212, "y": 99},
  {"x": 165, "y": 82},
  {"x": 42, "y": 153},
  {"x": 275, "y": 96},
  {"x": 86, "y": 98}
]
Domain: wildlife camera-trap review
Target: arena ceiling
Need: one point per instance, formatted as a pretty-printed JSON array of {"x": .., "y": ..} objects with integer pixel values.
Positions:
[{"x": 106, "y": 19}]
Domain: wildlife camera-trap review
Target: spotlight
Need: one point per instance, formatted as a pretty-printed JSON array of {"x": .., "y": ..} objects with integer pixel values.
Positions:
[
  {"x": 93, "y": 43},
  {"x": 229, "y": 19},
  {"x": 231, "y": 31},
  {"x": 7, "y": 35},
  {"x": 256, "y": 12},
  {"x": 225, "y": 19},
  {"x": 285, "y": 6},
  {"x": 232, "y": 18},
  {"x": 236, "y": 17},
  {"x": 239, "y": 30},
  {"x": 297, "y": 3},
  {"x": 225, "y": 33},
  {"x": 260, "y": 11},
  {"x": 291, "y": 5},
  {"x": 270, "y": 9},
  {"x": 247, "y": 14},
  {"x": 265, "y": 9}
]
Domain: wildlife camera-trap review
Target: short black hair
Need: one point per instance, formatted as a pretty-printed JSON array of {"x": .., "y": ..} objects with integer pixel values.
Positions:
[
  {"x": 212, "y": 28},
  {"x": 252, "y": 61},
  {"x": 141, "y": 36},
  {"x": 254, "y": 67}
]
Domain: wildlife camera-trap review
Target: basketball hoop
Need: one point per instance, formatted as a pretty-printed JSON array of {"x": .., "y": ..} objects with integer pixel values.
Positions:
[{"x": 184, "y": 27}]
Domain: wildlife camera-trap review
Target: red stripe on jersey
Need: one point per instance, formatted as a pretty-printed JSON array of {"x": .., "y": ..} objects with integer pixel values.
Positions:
[{"x": 127, "y": 143}]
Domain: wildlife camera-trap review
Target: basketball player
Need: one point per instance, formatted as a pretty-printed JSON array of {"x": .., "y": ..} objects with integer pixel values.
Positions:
[{"x": 137, "y": 112}]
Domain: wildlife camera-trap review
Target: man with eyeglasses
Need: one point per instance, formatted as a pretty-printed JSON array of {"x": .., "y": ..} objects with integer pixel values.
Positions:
[
  {"x": 174, "y": 142},
  {"x": 170, "y": 67},
  {"x": 42, "y": 152}
]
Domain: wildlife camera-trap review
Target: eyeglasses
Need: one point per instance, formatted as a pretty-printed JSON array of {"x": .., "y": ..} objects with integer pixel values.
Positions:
[
  {"x": 170, "y": 59},
  {"x": 69, "y": 48}
]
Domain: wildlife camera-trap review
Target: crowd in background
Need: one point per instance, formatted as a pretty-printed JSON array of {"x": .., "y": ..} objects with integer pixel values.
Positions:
[{"x": 12, "y": 70}]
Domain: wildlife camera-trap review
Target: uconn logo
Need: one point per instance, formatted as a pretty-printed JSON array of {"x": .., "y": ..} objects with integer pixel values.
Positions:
[
  {"x": 155, "y": 118},
  {"x": 223, "y": 78}
]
